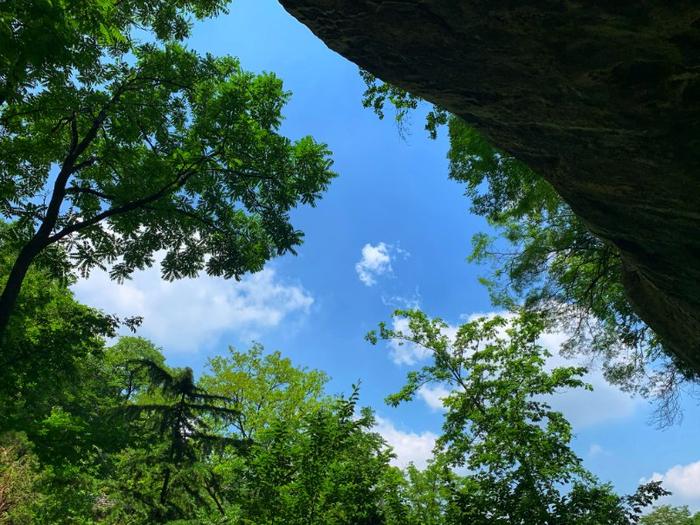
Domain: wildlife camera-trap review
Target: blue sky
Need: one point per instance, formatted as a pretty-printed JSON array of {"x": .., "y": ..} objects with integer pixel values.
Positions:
[{"x": 391, "y": 231}]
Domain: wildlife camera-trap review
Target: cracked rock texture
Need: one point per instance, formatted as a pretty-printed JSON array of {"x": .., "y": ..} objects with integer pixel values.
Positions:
[{"x": 600, "y": 97}]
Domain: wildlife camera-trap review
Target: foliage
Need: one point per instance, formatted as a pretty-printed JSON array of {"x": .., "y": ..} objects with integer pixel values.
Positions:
[
  {"x": 44, "y": 40},
  {"x": 19, "y": 480},
  {"x": 175, "y": 414},
  {"x": 60, "y": 59},
  {"x": 124, "y": 438},
  {"x": 221, "y": 180},
  {"x": 422, "y": 497},
  {"x": 499, "y": 426},
  {"x": 53, "y": 345},
  {"x": 324, "y": 470},
  {"x": 312, "y": 460},
  {"x": 668, "y": 515},
  {"x": 546, "y": 259},
  {"x": 377, "y": 94},
  {"x": 264, "y": 388},
  {"x": 58, "y": 390},
  {"x": 118, "y": 436}
]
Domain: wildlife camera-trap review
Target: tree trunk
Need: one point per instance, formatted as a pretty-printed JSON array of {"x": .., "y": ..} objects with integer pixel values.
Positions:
[
  {"x": 164, "y": 488},
  {"x": 38, "y": 242},
  {"x": 14, "y": 282}
]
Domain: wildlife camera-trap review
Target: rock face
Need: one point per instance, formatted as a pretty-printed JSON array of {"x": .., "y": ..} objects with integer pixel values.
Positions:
[{"x": 600, "y": 97}]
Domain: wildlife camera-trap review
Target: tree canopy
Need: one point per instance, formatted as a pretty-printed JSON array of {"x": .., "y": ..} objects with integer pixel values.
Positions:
[
  {"x": 499, "y": 427},
  {"x": 153, "y": 152},
  {"x": 122, "y": 149},
  {"x": 112, "y": 434},
  {"x": 45, "y": 40},
  {"x": 669, "y": 515}
]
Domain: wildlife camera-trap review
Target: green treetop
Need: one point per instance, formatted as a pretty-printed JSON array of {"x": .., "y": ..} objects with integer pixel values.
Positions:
[
  {"x": 499, "y": 426},
  {"x": 171, "y": 155},
  {"x": 43, "y": 40},
  {"x": 669, "y": 515}
]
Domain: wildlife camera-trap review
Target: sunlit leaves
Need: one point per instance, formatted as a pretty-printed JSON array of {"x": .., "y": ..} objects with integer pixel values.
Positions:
[
  {"x": 176, "y": 156},
  {"x": 499, "y": 428}
]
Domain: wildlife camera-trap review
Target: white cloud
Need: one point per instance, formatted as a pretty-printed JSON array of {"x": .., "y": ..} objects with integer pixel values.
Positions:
[
  {"x": 433, "y": 395},
  {"x": 595, "y": 450},
  {"x": 403, "y": 302},
  {"x": 188, "y": 314},
  {"x": 683, "y": 481},
  {"x": 585, "y": 408},
  {"x": 376, "y": 261},
  {"x": 409, "y": 447}
]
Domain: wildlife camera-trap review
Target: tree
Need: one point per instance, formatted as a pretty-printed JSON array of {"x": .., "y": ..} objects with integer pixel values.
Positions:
[
  {"x": 176, "y": 154},
  {"x": 499, "y": 426},
  {"x": 313, "y": 458},
  {"x": 51, "y": 349},
  {"x": 19, "y": 480},
  {"x": 41, "y": 40},
  {"x": 424, "y": 494},
  {"x": 546, "y": 259},
  {"x": 263, "y": 388},
  {"x": 668, "y": 515},
  {"x": 129, "y": 381},
  {"x": 327, "y": 468},
  {"x": 179, "y": 413},
  {"x": 59, "y": 387}
]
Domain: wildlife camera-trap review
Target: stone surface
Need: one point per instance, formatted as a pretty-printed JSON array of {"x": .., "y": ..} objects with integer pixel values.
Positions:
[{"x": 601, "y": 97}]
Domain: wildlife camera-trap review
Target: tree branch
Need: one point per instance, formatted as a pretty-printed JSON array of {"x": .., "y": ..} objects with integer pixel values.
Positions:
[
  {"x": 85, "y": 164},
  {"x": 77, "y": 190},
  {"x": 191, "y": 215},
  {"x": 73, "y": 133},
  {"x": 129, "y": 206}
]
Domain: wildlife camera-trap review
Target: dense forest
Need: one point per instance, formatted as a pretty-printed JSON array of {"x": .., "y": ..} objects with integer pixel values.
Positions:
[
  {"x": 121, "y": 147},
  {"x": 99, "y": 433}
]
